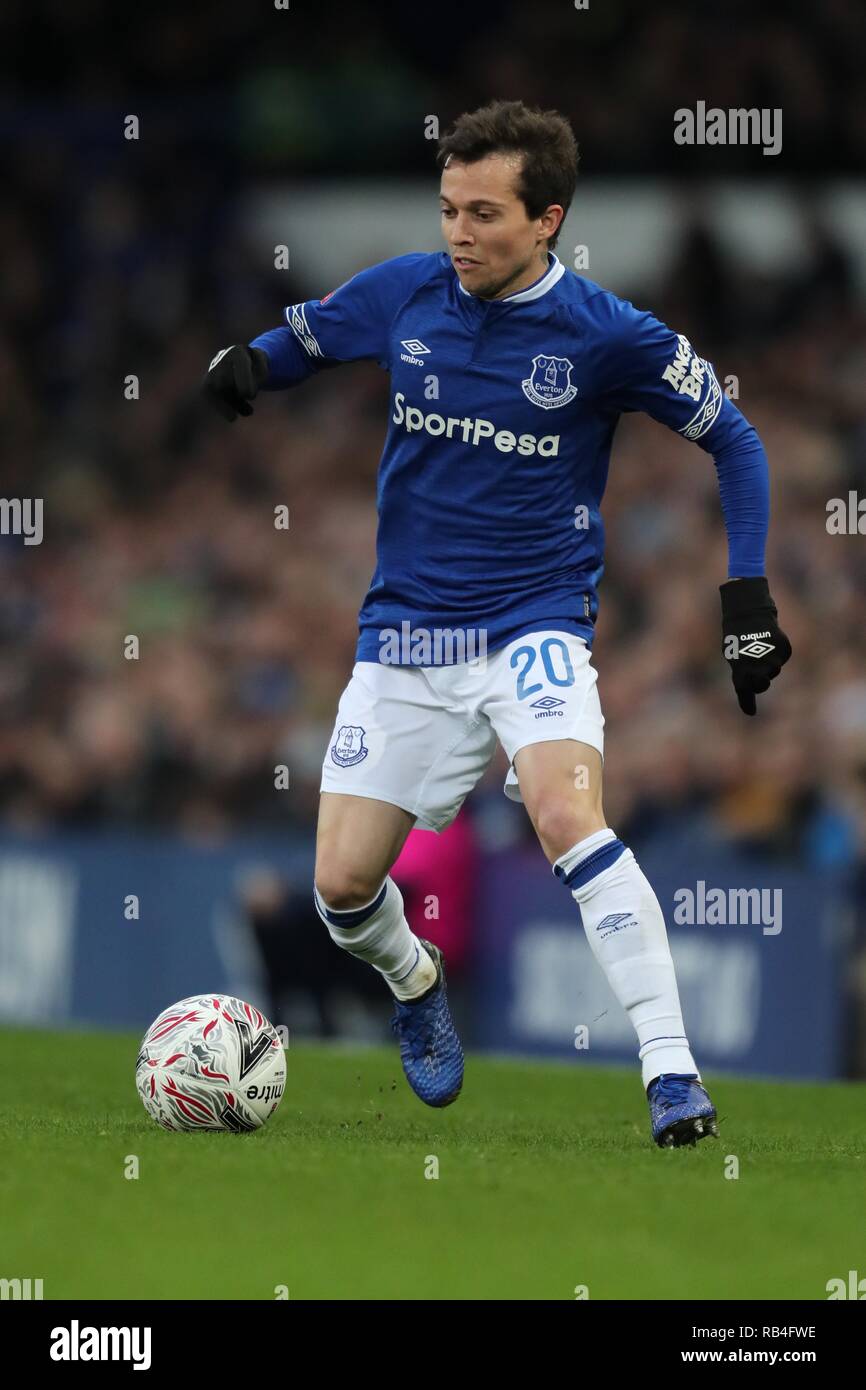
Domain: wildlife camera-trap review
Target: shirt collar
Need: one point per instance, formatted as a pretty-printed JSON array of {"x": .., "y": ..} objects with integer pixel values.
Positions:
[{"x": 555, "y": 271}]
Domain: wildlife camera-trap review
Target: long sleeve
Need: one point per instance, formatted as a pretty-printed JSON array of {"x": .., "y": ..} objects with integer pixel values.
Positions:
[
  {"x": 744, "y": 486},
  {"x": 644, "y": 365},
  {"x": 350, "y": 324}
]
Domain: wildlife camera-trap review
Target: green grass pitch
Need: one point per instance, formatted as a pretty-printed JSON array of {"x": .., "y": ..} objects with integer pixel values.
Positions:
[{"x": 548, "y": 1181}]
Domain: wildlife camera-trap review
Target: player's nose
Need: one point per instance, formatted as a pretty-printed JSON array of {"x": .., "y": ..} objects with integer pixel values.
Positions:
[{"x": 460, "y": 233}]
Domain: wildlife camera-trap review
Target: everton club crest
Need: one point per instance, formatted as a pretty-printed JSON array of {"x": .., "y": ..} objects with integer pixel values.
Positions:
[
  {"x": 349, "y": 747},
  {"x": 549, "y": 384}
]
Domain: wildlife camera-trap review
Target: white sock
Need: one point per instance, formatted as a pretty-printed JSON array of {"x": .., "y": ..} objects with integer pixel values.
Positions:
[
  {"x": 626, "y": 932},
  {"x": 379, "y": 934}
]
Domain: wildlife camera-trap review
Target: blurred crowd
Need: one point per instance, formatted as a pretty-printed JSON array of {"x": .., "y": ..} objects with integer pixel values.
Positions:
[
  {"x": 337, "y": 86},
  {"x": 159, "y": 522}
]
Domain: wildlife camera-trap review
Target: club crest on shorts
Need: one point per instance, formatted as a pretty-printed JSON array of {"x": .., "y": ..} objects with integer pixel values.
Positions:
[
  {"x": 348, "y": 747},
  {"x": 549, "y": 383}
]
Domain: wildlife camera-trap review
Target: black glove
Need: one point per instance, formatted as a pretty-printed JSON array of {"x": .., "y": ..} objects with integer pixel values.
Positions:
[
  {"x": 760, "y": 648},
  {"x": 234, "y": 378}
]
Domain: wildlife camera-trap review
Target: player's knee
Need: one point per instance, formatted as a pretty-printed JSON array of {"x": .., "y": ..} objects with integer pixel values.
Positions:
[
  {"x": 344, "y": 889},
  {"x": 560, "y": 823}
]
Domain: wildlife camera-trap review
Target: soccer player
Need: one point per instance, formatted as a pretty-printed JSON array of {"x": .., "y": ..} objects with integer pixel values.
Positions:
[{"x": 508, "y": 375}]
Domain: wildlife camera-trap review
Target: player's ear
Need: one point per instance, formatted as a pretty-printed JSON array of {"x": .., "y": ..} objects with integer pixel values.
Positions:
[{"x": 553, "y": 218}]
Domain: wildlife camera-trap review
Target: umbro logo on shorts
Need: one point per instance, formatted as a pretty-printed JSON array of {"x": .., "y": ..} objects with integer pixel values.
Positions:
[{"x": 547, "y": 707}]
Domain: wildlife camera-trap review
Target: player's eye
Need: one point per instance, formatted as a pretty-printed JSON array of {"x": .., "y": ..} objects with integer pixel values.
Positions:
[{"x": 482, "y": 216}]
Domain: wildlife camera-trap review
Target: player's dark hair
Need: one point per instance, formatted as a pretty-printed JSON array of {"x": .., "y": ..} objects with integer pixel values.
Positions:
[{"x": 544, "y": 138}]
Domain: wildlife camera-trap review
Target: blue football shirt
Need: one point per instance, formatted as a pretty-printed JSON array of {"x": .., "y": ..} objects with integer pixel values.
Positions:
[{"x": 501, "y": 418}]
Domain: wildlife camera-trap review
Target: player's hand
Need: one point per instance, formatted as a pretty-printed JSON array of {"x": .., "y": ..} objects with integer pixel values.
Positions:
[
  {"x": 234, "y": 378},
  {"x": 754, "y": 644}
]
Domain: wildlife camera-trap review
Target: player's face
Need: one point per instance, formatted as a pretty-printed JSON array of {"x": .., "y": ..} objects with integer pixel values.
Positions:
[{"x": 494, "y": 246}]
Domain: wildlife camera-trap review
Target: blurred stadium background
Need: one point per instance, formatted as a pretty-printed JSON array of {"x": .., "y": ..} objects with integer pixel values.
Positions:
[{"x": 155, "y": 777}]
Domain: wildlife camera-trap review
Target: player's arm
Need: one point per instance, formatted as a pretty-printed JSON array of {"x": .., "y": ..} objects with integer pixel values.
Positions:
[
  {"x": 349, "y": 325},
  {"x": 645, "y": 366}
]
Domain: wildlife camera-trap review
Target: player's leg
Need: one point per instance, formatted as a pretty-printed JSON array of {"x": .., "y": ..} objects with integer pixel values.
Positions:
[
  {"x": 543, "y": 703},
  {"x": 406, "y": 750},
  {"x": 561, "y": 787},
  {"x": 358, "y": 840}
]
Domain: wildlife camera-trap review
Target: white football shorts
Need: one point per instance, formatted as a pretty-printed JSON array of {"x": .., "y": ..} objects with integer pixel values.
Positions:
[{"x": 421, "y": 737}]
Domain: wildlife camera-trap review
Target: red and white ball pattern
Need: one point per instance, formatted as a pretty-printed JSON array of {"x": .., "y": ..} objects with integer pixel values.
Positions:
[{"x": 210, "y": 1062}]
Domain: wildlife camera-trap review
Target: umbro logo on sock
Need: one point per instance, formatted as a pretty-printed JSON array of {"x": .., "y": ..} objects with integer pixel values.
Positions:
[{"x": 615, "y": 921}]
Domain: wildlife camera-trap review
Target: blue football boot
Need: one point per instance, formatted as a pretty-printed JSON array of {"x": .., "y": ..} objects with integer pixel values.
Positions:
[
  {"x": 429, "y": 1046},
  {"x": 680, "y": 1110}
]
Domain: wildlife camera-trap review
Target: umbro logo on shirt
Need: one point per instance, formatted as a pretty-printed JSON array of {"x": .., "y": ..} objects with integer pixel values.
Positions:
[{"x": 413, "y": 347}]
